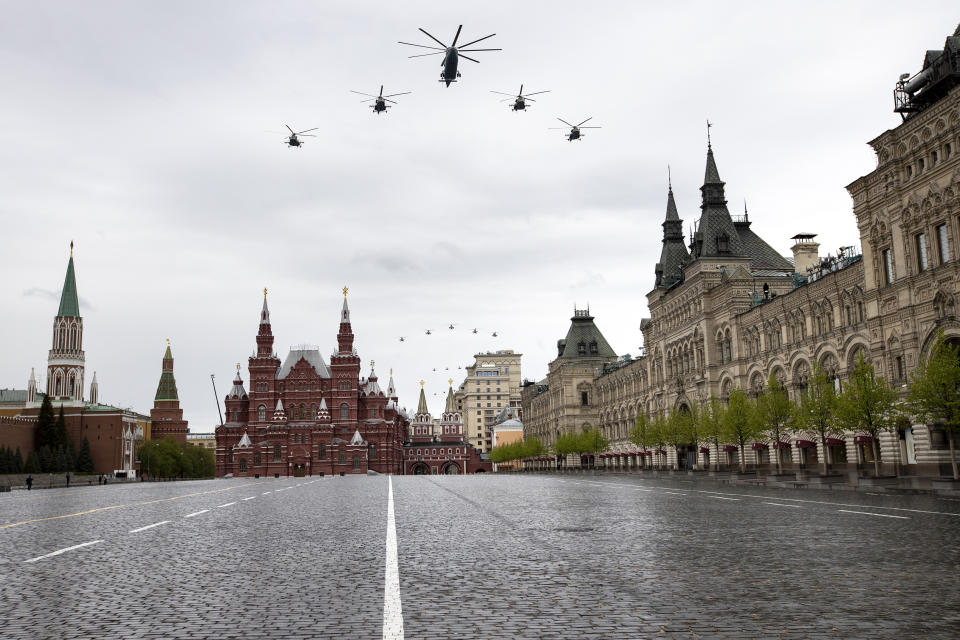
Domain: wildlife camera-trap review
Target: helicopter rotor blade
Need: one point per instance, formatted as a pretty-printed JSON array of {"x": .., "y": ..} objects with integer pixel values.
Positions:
[
  {"x": 473, "y": 50},
  {"x": 390, "y": 95},
  {"x": 305, "y": 130},
  {"x": 508, "y": 100},
  {"x": 308, "y": 135},
  {"x": 360, "y": 93},
  {"x": 456, "y": 36},
  {"x": 420, "y": 55},
  {"x": 590, "y": 127},
  {"x": 434, "y": 39},
  {"x": 557, "y": 128},
  {"x": 536, "y": 93},
  {"x": 288, "y": 127},
  {"x": 476, "y": 41},
  {"x": 564, "y": 122},
  {"x": 386, "y": 99},
  {"x": 521, "y": 90},
  {"x": 469, "y": 58},
  {"x": 381, "y": 91},
  {"x": 423, "y": 46},
  {"x": 587, "y": 120},
  {"x": 528, "y": 99},
  {"x": 504, "y": 94}
]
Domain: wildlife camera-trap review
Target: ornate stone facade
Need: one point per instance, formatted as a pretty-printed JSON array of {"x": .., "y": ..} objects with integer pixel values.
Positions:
[{"x": 732, "y": 311}]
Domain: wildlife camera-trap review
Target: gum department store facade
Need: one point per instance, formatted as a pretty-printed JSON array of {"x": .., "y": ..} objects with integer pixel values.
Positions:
[{"x": 728, "y": 311}]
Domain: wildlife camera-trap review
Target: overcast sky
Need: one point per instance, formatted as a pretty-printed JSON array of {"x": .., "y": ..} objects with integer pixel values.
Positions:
[{"x": 141, "y": 131}]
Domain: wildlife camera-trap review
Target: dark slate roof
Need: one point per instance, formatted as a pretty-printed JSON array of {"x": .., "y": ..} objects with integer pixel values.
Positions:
[
  {"x": 582, "y": 329},
  {"x": 715, "y": 221},
  {"x": 673, "y": 255},
  {"x": 761, "y": 254},
  {"x": 17, "y": 396},
  {"x": 69, "y": 306}
]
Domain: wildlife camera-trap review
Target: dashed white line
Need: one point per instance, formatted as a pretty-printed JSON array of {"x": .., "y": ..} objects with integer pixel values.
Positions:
[
  {"x": 879, "y": 515},
  {"x": 265, "y": 493},
  {"x": 777, "y": 504},
  {"x": 149, "y": 526},
  {"x": 196, "y": 513},
  {"x": 58, "y": 552},
  {"x": 674, "y": 493},
  {"x": 250, "y": 498},
  {"x": 229, "y": 504},
  {"x": 392, "y": 608},
  {"x": 724, "y": 498}
]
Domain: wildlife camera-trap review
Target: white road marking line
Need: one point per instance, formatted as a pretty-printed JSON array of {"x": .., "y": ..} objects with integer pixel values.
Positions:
[
  {"x": 723, "y": 498},
  {"x": 872, "y": 494},
  {"x": 392, "y": 608},
  {"x": 56, "y": 553},
  {"x": 149, "y": 526},
  {"x": 229, "y": 504},
  {"x": 196, "y": 513},
  {"x": 777, "y": 504},
  {"x": 674, "y": 493},
  {"x": 879, "y": 515},
  {"x": 250, "y": 498},
  {"x": 265, "y": 493}
]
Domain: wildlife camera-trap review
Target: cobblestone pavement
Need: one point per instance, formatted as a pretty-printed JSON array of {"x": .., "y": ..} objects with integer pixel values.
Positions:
[{"x": 479, "y": 557}]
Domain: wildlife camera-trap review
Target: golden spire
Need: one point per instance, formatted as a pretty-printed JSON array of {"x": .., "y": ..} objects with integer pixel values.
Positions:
[
  {"x": 264, "y": 293},
  {"x": 391, "y": 372},
  {"x": 238, "y": 366},
  {"x": 422, "y": 383},
  {"x": 168, "y": 342},
  {"x": 345, "y": 289},
  {"x": 372, "y": 363},
  {"x": 450, "y": 380},
  {"x": 71, "y": 248}
]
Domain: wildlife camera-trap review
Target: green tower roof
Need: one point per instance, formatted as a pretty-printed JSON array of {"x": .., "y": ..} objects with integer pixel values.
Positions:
[
  {"x": 167, "y": 389},
  {"x": 69, "y": 307}
]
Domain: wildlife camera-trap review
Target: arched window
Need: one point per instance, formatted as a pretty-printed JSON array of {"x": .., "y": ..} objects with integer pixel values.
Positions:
[
  {"x": 73, "y": 384},
  {"x": 344, "y": 385},
  {"x": 322, "y": 452},
  {"x": 256, "y": 459},
  {"x": 373, "y": 412},
  {"x": 58, "y": 385},
  {"x": 243, "y": 466},
  {"x": 276, "y": 453},
  {"x": 372, "y": 452},
  {"x": 356, "y": 462},
  {"x": 344, "y": 411},
  {"x": 313, "y": 412},
  {"x": 303, "y": 412},
  {"x": 341, "y": 457},
  {"x": 261, "y": 413}
]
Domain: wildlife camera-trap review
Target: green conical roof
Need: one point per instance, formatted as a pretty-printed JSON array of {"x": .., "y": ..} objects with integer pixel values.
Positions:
[
  {"x": 167, "y": 389},
  {"x": 69, "y": 307},
  {"x": 422, "y": 405}
]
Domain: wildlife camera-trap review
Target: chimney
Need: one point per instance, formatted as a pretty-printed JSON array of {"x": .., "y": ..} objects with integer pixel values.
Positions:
[{"x": 804, "y": 252}]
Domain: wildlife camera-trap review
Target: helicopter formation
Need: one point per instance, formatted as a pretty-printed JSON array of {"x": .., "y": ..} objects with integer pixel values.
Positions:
[
  {"x": 451, "y": 327},
  {"x": 448, "y": 75}
]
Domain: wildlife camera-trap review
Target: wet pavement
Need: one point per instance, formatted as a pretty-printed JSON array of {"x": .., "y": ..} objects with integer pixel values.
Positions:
[{"x": 481, "y": 556}]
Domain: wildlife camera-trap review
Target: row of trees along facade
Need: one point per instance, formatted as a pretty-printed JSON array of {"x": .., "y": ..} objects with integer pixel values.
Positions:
[{"x": 728, "y": 312}]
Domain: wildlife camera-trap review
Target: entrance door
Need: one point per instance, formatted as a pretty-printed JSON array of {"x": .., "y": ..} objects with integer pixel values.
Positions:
[
  {"x": 421, "y": 470},
  {"x": 299, "y": 470}
]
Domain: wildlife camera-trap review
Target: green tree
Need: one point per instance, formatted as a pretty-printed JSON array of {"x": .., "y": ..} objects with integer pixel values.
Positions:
[
  {"x": 6, "y": 460},
  {"x": 658, "y": 436},
  {"x": 33, "y": 463},
  {"x": 867, "y": 405},
  {"x": 934, "y": 392},
  {"x": 674, "y": 434},
  {"x": 776, "y": 414},
  {"x": 567, "y": 444},
  {"x": 17, "y": 462},
  {"x": 640, "y": 434},
  {"x": 60, "y": 437},
  {"x": 46, "y": 424},
  {"x": 692, "y": 426},
  {"x": 712, "y": 425},
  {"x": 592, "y": 441},
  {"x": 47, "y": 459},
  {"x": 817, "y": 411},
  {"x": 740, "y": 423},
  {"x": 84, "y": 458}
]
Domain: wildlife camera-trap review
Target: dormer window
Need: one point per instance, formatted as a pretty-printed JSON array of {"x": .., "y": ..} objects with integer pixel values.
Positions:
[
  {"x": 582, "y": 348},
  {"x": 593, "y": 347},
  {"x": 723, "y": 243}
]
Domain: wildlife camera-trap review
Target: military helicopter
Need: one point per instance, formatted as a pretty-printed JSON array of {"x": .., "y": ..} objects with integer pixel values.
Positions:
[
  {"x": 575, "y": 129},
  {"x": 428, "y": 332},
  {"x": 403, "y": 338},
  {"x": 494, "y": 334},
  {"x": 294, "y": 139},
  {"x": 380, "y": 102},
  {"x": 451, "y": 54},
  {"x": 520, "y": 100},
  {"x": 452, "y": 325}
]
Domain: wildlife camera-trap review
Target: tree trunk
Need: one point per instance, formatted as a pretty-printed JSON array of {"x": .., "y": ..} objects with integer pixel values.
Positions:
[
  {"x": 953, "y": 457},
  {"x": 876, "y": 458},
  {"x": 743, "y": 460},
  {"x": 777, "y": 453},
  {"x": 826, "y": 455}
]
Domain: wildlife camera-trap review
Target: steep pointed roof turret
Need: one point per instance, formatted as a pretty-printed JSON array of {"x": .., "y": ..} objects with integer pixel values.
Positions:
[
  {"x": 451, "y": 400},
  {"x": 673, "y": 255},
  {"x": 345, "y": 311},
  {"x": 584, "y": 339},
  {"x": 391, "y": 388},
  {"x": 716, "y": 236},
  {"x": 265, "y": 311},
  {"x": 69, "y": 306},
  {"x": 167, "y": 389},
  {"x": 422, "y": 408},
  {"x": 279, "y": 415},
  {"x": 244, "y": 441},
  {"x": 238, "y": 392}
]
